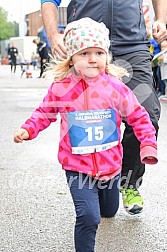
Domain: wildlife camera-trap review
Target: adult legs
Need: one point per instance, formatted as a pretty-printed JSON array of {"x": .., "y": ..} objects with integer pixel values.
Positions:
[
  {"x": 86, "y": 194},
  {"x": 11, "y": 66},
  {"x": 14, "y": 68},
  {"x": 41, "y": 68},
  {"x": 141, "y": 83}
]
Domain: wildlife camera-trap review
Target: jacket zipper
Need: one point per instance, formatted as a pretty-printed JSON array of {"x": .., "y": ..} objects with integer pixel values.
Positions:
[
  {"x": 86, "y": 107},
  {"x": 141, "y": 13},
  {"x": 74, "y": 10}
]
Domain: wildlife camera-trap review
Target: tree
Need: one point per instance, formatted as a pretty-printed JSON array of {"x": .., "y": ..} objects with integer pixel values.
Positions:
[{"x": 7, "y": 29}]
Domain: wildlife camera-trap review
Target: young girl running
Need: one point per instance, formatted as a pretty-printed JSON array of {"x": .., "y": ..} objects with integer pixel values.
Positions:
[{"x": 91, "y": 101}]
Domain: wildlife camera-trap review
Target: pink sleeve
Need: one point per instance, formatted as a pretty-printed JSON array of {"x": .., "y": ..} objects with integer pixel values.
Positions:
[
  {"x": 43, "y": 116},
  {"x": 148, "y": 151}
]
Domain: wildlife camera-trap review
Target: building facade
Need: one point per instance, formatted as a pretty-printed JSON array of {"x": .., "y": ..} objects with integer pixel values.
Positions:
[{"x": 34, "y": 21}]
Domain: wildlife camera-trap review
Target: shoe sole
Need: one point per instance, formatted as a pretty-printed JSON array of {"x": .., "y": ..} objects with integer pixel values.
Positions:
[{"x": 134, "y": 211}]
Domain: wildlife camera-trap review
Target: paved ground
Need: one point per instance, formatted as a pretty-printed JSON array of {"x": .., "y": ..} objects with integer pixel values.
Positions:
[{"x": 36, "y": 210}]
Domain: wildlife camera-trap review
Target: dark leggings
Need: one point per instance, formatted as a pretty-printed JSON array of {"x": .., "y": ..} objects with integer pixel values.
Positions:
[
  {"x": 13, "y": 65},
  {"x": 92, "y": 199}
]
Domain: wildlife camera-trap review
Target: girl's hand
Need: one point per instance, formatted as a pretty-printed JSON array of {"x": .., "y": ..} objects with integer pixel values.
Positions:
[
  {"x": 20, "y": 135},
  {"x": 149, "y": 157}
]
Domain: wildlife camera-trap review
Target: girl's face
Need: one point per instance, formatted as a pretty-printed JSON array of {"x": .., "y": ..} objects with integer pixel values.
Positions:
[{"x": 89, "y": 62}]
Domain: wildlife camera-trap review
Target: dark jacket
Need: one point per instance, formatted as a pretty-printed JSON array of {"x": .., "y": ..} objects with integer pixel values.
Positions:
[
  {"x": 42, "y": 50},
  {"x": 13, "y": 52},
  {"x": 124, "y": 19}
]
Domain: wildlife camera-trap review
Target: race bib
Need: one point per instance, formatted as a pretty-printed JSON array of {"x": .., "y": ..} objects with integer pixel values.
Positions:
[{"x": 92, "y": 130}]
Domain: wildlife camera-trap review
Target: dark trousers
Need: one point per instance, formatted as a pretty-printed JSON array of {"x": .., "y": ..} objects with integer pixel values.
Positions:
[
  {"x": 92, "y": 199},
  {"x": 140, "y": 82},
  {"x": 13, "y": 65},
  {"x": 42, "y": 66}
]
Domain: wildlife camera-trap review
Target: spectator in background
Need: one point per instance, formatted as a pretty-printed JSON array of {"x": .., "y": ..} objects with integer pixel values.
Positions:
[
  {"x": 155, "y": 49},
  {"x": 26, "y": 70},
  {"x": 43, "y": 54},
  {"x": 5, "y": 61},
  {"x": 34, "y": 60},
  {"x": 12, "y": 56},
  {"x": 43, "y": 37},
  {"x": 163, "y": 69}
]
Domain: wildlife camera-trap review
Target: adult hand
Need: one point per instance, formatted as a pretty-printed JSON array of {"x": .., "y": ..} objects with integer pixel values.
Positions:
[
  {"x": 159, "y": 31},
  {"x": 20, "y": 135},
  {"x": 57, "y": 46}
]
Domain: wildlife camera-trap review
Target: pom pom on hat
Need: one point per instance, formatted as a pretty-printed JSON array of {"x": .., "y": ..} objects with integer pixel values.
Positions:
[{"x": 85, "y": 33}]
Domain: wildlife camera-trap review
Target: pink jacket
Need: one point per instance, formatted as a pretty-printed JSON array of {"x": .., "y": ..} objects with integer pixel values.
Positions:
[{"x": 91, "y": 114}]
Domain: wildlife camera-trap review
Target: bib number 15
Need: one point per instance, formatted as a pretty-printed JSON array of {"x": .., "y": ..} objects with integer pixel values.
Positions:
[{"x": 95, "y": 133}]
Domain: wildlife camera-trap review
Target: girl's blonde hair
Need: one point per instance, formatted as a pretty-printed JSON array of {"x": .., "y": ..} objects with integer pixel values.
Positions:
[{"x": 61, "y": 69}]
